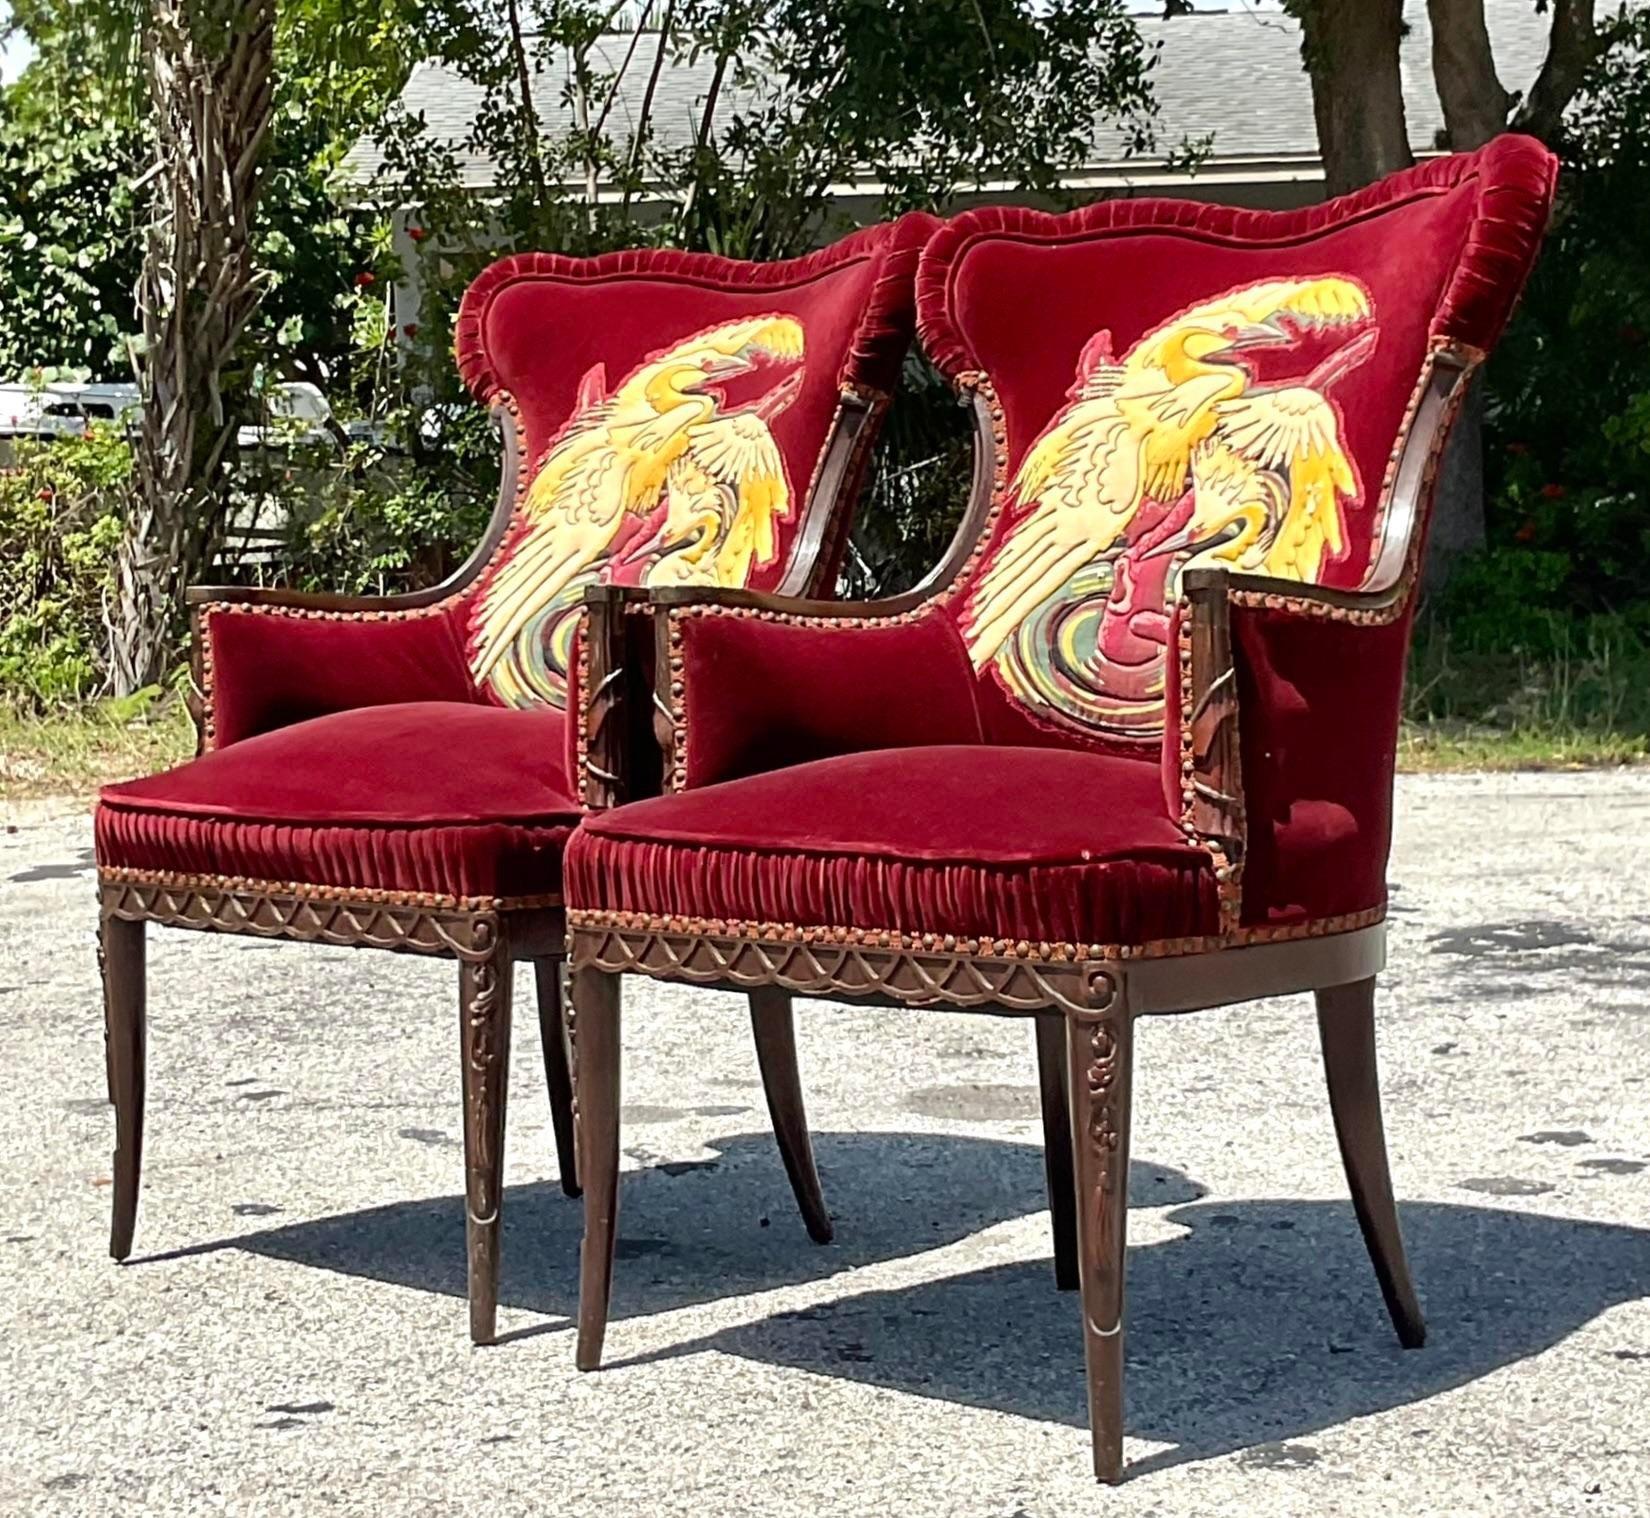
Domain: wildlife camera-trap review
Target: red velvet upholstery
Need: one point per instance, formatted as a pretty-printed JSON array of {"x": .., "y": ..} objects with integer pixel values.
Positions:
[
  {"x": 1318, "y": 706},
  {"x": 1042, "y": 845},
  {"x": 270, "y": 667},
  {"x": 761, "y": 695},
  {"x": 1296, "y": 341},
  {"x": 1046, "y": 305},
  {"x": 559, "y": 334},
  {"x": 359, "y": 749},
  {"x": 442, "y": 798},
  {"x": 541, "y": 327},
  {"x": 534, "y": 323}
]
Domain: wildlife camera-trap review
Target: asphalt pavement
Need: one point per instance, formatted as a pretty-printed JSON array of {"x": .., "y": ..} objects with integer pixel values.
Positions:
[{"x": 290, "y": 1335}]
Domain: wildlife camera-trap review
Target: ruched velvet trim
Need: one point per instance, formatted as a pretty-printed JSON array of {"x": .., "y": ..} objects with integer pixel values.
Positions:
[
  {"x": 1515, "y": 177},
  {"x": 1124, "y": 901},
  {"x": 873, "y": 357},
  {"x": 489, "y": 859}
]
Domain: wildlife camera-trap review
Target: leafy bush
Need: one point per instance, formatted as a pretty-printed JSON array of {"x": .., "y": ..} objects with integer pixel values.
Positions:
[
  {"x": 382, "y": 517},
  {"x": 1567, "y": 424},
  {"x": 61, "y": 506}
]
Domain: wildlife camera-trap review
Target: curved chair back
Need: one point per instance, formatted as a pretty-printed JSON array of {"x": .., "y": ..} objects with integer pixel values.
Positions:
[
  {"x": 678, "y": 418},
  {"x": 1171, "y": 387}
]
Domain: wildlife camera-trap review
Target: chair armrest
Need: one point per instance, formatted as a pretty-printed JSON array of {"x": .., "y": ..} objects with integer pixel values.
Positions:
[
  {"x": 265, "y": 659},
  {"x": 1285, "y": 701},
  {"x": 743, "y": 682}
]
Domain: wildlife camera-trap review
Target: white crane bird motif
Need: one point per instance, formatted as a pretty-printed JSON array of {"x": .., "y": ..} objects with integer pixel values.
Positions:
[
  {"x": 1205, "y": 444},
  {"x": 659, "y": 482}
]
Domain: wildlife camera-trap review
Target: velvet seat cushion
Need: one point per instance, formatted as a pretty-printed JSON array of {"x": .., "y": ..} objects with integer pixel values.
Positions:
[
  {"x": 1032, "y": 845},
  {"x": 440, "y": 798}
]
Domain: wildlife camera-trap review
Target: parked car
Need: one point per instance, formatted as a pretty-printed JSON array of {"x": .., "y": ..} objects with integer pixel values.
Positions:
[
  {"x": 63, "y": 409},
  {"x": 296, "y": 412}
]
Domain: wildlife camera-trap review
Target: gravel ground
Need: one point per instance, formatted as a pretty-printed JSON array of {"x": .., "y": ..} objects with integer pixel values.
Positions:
[{"x": 290, "y": 1337}]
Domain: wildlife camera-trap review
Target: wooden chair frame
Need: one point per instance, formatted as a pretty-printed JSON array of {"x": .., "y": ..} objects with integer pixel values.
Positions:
[
  {"x": 1083, "y": 999},
  {"x": 487, "y": 937}
]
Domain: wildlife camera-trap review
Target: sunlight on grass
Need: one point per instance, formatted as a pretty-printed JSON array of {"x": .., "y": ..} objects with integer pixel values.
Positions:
[
  {"x": 1580, "y": 704},
  {"x": 71, "y": 753}
]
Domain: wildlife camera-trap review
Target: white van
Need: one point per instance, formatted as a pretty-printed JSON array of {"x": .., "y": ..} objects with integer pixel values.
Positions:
[{"x": 62, "y": 409}]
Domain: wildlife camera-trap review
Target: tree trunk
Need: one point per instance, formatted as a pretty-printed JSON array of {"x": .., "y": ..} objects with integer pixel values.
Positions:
[
  {"x": 1351, "y": 53},
  {"x": 1575, "y": 43},
  {"x": 209, "y": 66},
  {"x": 1463, "y": 70}
]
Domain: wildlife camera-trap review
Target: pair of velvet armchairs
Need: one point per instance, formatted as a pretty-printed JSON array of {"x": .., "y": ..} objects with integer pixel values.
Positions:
[{"x": 1128, "y": 749}]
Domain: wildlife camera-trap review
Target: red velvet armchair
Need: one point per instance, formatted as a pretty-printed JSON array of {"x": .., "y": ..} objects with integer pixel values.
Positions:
[
  {"x": 1131, "y": 749},
  {"x": 397, "y": 773}
]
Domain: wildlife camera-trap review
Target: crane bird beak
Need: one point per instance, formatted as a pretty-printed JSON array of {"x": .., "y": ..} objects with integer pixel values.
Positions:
[
  {"x": 777, "y": 399},
  {"x": 1184, "y": 539}
]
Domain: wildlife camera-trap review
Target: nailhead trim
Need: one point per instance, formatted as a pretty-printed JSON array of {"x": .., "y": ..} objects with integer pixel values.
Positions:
[
  {"x": 947, "y": 943},
  {"x": 247, "y": 885}
]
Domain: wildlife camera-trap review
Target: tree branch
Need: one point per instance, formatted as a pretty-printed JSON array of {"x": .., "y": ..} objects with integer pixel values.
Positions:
[
  {"x": 1463, "y": 71},
  {"x": 1576, "y": 43},
  {"x": 529, "y": 114},
  {"x": 644, "y": 117}
]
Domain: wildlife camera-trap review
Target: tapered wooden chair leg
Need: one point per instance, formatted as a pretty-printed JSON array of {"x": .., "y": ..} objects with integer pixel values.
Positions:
[
  {"x": 484, "y": 987},
  {"x": 1062, "y": 1198},
  {"x": 775, "y": 1029},
  {"x": 558, "y": 1070},
  {"x": 1346, "y": 1026},
  {"x": 121, "y": 951},
  {"x": 1100, "y": 1054},
  {"x": 596, "y": 1069}
]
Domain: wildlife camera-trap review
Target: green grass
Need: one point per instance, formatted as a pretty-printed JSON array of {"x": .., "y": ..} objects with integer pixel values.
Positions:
[
  {"x": 74, "y": 751},
  {"x": 1576, "y": 696},
  {"x": 1581, "y": 701},
  {"x": 1438, "y": 748}
]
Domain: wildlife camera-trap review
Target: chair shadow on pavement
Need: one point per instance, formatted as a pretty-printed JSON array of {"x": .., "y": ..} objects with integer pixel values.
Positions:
[
  {"x": 699, "y": 1230},
  {"x": 1261, "y": 1324}
]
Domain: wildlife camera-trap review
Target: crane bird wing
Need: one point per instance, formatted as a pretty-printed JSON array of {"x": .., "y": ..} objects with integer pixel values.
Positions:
[
  {"x": 572, "y": 512},
  {"x": 1294, "y": 432},
  {"x": 738, "y": 453},
  {"x": 1084, "y": 476}
]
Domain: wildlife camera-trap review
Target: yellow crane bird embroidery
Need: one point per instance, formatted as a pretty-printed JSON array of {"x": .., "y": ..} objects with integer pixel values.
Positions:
[
  {"x": 659, "y": 482},
  {"x": 1209, "y": 442}
]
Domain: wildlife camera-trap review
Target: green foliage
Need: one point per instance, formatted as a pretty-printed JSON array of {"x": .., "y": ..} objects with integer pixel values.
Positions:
[
  {"x": 69, "y": 251},
  {"x": 915, "y": 100},
  {"x": 60, "y": 519},
  {"x": 1568, "y": 403},
  {"x": 395, "y": 514},
  {"x": 1573, "y": 688}
]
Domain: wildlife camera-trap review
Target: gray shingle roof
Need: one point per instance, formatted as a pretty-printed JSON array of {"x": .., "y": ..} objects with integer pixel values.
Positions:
[{"x": 1235, "y": 75}]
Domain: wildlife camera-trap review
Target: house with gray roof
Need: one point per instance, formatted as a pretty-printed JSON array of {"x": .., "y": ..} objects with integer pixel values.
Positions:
[{"x": 1231, "y": 78}]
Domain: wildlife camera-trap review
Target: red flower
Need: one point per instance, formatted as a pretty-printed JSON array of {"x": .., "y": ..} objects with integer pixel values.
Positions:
[
  {"x": 1526, "y": 532},
  {"x": 1553, "y": 492},
  {"x": 364, "y": 278},
  {"x": 411, "y": 329},
  {"x": 45, "y": 495},
  {"x": 418, "y": 234},
  {"x": 1518, "y": 450}
]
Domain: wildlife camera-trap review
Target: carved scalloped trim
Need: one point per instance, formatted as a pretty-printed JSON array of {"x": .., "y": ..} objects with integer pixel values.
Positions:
[
  {"x": 460, "y": 934},
  {"x": 919, "y": 970}
]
